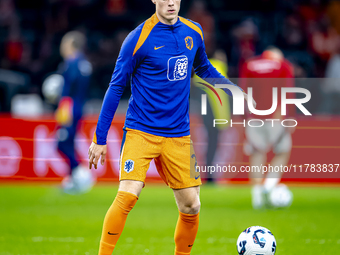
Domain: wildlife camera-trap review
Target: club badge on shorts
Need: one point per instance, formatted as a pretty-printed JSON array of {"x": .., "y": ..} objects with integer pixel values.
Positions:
[{"x": 129, "y": 165}]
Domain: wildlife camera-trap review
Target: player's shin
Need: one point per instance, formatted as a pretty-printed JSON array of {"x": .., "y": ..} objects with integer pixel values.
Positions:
[
  {"x": 114, "y": 221},
  {"x": 185, "y": 233}
]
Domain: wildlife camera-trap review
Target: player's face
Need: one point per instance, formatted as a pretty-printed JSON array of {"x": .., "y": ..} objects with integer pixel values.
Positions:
[
  {"x": 65, "y": 47},
  {"x": 167, "y": 10}
]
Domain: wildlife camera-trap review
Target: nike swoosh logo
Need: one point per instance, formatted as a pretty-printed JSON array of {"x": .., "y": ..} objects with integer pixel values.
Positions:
[
  {"x": 196, "y": 177},
  {"x": 156, "y": 48},
  {"x": 113, "y": 234}
]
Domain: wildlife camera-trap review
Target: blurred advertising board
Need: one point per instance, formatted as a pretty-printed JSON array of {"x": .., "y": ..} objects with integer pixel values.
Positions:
[{"x": 28, "y": 150}]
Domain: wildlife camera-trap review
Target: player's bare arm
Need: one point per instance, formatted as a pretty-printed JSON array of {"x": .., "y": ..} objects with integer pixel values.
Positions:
[{"x": 97, "y": 152}]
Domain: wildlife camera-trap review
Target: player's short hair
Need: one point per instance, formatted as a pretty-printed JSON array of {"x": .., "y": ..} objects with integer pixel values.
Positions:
[
  {"x": 274, "y": 49},
  {"x": 78, "y": 39}
]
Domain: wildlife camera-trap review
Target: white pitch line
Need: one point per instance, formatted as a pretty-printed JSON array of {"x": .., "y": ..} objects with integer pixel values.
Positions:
[{"x": 58, "y": 239}]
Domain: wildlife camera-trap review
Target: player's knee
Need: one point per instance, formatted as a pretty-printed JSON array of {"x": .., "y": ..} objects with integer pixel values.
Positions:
[
  {"x": 191, "y": 208},
  {"x": 134, "y": 187},
  {"x": 195, "y": 208},
  {"x": 283, "y": 156}
]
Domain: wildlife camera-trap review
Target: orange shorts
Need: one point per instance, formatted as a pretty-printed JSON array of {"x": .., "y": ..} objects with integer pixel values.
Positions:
[{"x": 174, "y": 158}]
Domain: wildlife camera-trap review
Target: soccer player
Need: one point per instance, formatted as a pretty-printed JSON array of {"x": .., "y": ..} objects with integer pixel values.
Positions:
[
  {"x": 263, "y": 73},
  {"x": 76, "y": 72},
  {"x": 156, "y": 59}
]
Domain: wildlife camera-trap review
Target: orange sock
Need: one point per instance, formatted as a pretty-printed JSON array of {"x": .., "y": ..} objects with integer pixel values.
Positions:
[
  {"x": 185, "y": 233},
  {"x": 114, "y": 221}
]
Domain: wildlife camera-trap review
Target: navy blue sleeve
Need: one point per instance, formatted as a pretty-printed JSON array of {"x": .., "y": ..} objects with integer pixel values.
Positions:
[
  {"x": 70, "y": 76},
  {"x": 121, "y": 76},
  {"x": 205, "y": 70}
]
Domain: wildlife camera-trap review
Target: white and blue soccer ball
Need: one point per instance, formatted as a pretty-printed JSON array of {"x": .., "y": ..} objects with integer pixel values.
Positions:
[
  {"x": 81, "y": 181},
  {"x": 52, "y": 87},
  {"x": 281, "y": 196},
  {"x": 256, "y": 240}
]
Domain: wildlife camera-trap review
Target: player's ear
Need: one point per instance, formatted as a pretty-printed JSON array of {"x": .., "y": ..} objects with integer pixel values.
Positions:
[{"x": 154, "y": 1}]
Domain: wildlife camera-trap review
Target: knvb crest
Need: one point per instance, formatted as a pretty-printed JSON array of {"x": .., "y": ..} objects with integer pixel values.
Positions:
[
  {"x": 189, "y": 42},
  {"x": 129, "y": 165}
]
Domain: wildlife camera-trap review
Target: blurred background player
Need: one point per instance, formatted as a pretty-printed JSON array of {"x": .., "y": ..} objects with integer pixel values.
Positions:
[
  {"x": 215, "y": 110},
  {"x": 263, "y": 73},
  {"x": 76, "y": 72}
]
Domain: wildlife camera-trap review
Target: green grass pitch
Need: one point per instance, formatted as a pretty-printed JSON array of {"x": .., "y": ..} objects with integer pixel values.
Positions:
[{"x": 42, "y": 220}]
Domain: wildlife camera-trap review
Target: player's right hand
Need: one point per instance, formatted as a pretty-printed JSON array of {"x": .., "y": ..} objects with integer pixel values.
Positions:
[{"x": 97, "y": 152}]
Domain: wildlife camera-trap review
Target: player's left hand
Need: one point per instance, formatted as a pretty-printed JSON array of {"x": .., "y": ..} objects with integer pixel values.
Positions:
[{"x": 96, "y": 151}]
